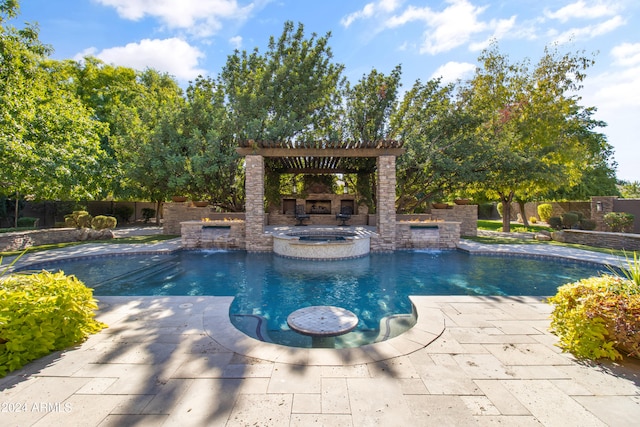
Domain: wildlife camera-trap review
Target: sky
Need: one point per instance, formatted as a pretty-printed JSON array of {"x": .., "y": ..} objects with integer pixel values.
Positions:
[{"x": 428, "y": 39}]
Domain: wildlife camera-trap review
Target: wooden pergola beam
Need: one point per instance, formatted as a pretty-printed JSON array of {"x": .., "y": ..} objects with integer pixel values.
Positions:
[{"x": 320, "y": 152}]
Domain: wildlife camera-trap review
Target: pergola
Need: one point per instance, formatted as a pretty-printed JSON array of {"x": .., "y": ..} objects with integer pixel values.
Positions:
[{"x": 320, "y": 158}]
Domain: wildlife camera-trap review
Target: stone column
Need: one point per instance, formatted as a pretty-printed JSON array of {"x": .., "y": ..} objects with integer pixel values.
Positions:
[
  {"x": 386, "y": 209},
  {"x": 600, "y": 206},
  {"x": 254, "y": 202}
]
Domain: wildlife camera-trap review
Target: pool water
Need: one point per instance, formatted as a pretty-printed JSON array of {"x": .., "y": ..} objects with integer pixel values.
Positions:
[{"x": 267, "y": 288}]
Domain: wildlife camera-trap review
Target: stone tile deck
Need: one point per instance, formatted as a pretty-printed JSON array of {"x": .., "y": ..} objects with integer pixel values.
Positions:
[{"x": 168, "y": 361}]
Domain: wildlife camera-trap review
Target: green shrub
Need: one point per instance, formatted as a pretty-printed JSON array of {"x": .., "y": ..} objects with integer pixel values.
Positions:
[
  {"x": 555, "y": 222},
  {"x": 587, "y": 224},
  {"x": 569, "y": 219},
  {"x": 41, "y": 313},
  {"x": 598, "y": 317},
  {"x": 27, "y": 221},
  {"x": 579, "y": 214},
  {"x": 484, "y": 210},
  {"x": 533, "y": 220},
  {"x": 619, "y": 221},
  {"x": 102, "y": 222},
  {"x": 545, "y": 211},
  {"x": 148, "y": 213},
  {"x": 123, "y": 213},
  {"x": 78, "y": 219}
]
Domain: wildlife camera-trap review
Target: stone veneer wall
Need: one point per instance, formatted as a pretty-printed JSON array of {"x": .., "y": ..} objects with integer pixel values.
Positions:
[
  {"x": 626, "y": 241},
  {"x": 606, "y": 205},
  {"x": 386, "y": 201},
  {"x": 257, "y": 240},
  {"x": 466, "y": 215},
  {"x": 19, "y": 240},
  {"x": 213, "y": 234},
  {"x": 439, "y": 235},
  {"x": 176, "y": 213}
]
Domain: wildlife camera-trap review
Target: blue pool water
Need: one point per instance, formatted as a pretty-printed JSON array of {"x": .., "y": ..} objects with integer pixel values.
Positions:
[{"x": 268, "y": 287}]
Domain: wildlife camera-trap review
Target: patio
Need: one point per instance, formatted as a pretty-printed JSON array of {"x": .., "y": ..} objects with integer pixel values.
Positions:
[{"x": 177, "y": 361}]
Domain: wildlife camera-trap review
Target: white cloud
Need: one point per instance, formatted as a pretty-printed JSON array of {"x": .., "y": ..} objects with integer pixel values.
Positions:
[
  {"x": 173, "y": 56},
  {"x": 619, "y": 87},
  {"x": 236, "y": 42},
  {"x": 452, "y": 71},
  {"x": 616, "y": 94},
  {"x": 199, "y": 17},
  {"x": 626, "y": 54},
  {"x": 453, "y": 26},
  {"x": 590, "y": 31},
  {"x": 447, "y": 29},
  {"x": 371, "y": 9},
  {"x": 501, "y": 28},
  {"x": 584, "y": 10}
]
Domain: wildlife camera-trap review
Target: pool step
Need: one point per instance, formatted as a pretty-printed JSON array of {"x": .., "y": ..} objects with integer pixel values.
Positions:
[
  {"x": 147, "y": 270},
  {"x": 395, "y": 324}
]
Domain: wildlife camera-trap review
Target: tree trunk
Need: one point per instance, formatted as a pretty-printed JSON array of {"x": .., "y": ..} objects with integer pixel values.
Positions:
[
  {"x": 506, "y": 200},
  {"x": 158, "y": 211},
  {"x": 17, "y": 211},
  {"x": 525, "y": 222}
]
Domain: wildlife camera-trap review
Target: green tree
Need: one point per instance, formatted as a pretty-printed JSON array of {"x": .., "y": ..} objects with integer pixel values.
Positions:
[
  {"x": 214, "y": 165},
  {"x": 49, "y": 142},
  {"x": 369, "y": 105},
  {"x": 441, "y": 157},
  {"x": 531, "y": 123},
  {"x": 156, "y": 159},
  {"x": 629, "y": 190},
  {"x": 115, "y": 95},
  {"x": 288, "y": 94}
]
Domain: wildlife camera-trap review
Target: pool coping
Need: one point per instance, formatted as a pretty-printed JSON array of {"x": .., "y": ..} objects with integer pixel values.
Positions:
[{"x": 430, "y": 324}]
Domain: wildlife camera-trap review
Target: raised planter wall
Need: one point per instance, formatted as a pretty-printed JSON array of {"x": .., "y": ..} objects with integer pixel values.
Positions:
[
  {"x": 427, "y": 235},
  {"x": 20, "y": 240},
  {"x": 213, "y": 234},
  {"x": 626, "y": 241},
  {"x": 465, "y": 215},
  {"x": 176, "y": 213}
]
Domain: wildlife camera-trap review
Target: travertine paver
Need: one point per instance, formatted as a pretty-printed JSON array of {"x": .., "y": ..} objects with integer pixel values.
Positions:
[
  {"x": 176, "y": 362},
  {"x": 466, "y": 376}
]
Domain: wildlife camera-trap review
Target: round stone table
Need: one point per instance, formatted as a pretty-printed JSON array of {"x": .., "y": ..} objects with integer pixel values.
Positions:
[{"x": 322, "y": 323}]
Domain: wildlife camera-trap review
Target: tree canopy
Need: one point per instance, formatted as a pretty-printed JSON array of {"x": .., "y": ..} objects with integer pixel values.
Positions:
[
  {"x": 49, "y": 141},
  {"x": 530, "y": 121},
  {"x": 86, "y": 129}
]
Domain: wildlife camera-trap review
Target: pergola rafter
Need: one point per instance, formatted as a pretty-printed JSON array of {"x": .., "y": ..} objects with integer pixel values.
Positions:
[{"x": 322, "y": 157}]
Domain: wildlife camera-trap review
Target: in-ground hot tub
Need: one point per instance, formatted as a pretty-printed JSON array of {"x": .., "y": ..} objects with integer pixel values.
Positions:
[{"x": 321, "y": 244}]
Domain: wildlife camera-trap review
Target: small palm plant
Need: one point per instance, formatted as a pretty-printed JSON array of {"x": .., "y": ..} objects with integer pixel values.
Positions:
[{"x": 630, "y": 271}]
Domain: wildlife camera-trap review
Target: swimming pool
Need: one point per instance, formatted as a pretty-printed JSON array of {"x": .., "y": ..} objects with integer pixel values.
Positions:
[{"x": 267, "y": 287}]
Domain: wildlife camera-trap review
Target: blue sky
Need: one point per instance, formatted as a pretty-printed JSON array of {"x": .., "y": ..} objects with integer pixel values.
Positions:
[{"x": 427, "y": 38}]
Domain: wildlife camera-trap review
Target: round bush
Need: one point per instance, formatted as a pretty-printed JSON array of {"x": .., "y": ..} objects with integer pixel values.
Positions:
[
  {"x": 545, "y": 211},
  {"x": 619, "y": 221},
  {"x": 569, "y": 219},
  {"x": 598, "y": 317},
  {"x": 27, "y": 221},
  {"x": 103, "y": 222},
  {"x": 78, "y": 219},
  {"x": 555, "y": 222}
]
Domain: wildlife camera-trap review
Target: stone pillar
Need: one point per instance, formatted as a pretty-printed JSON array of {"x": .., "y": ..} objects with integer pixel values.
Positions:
[
  {"x": 600, "y": 206},
  {"x": 254, "y": 202},
  {"x": 386, "y": 194}
]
